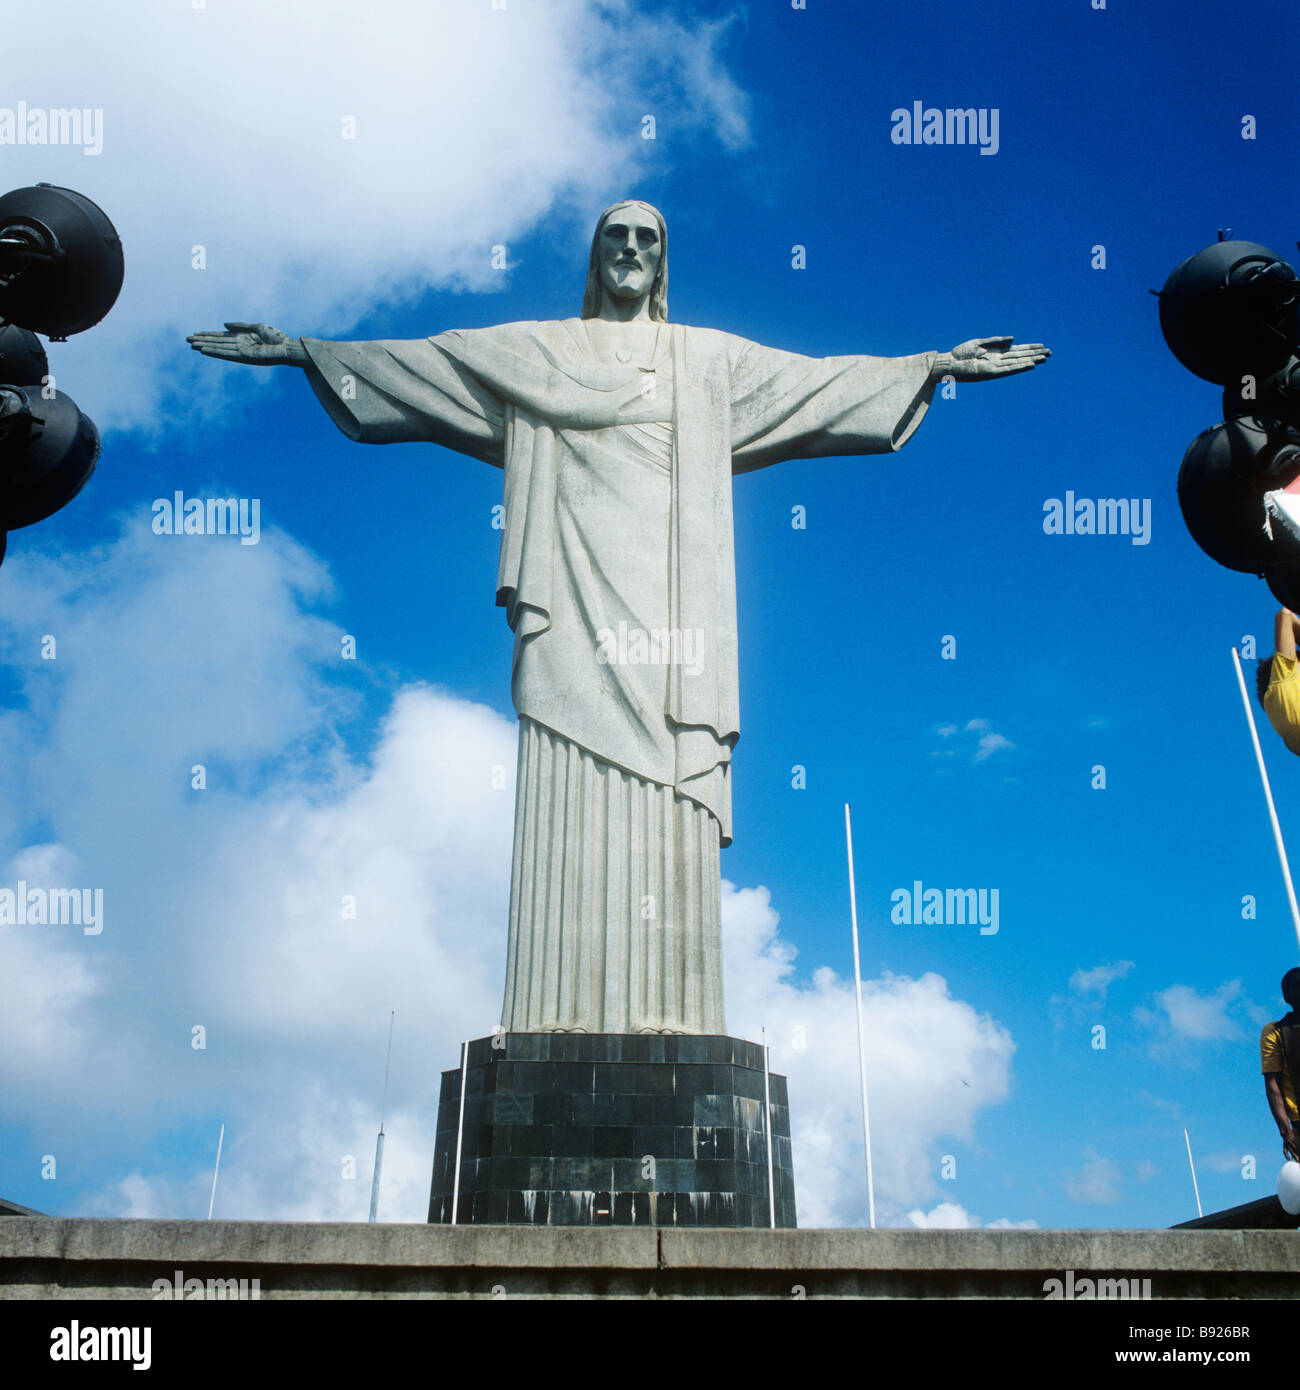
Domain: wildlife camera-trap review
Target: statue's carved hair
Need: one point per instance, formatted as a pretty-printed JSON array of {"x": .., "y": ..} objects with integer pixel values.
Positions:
[{"x": 658, "y": 291}]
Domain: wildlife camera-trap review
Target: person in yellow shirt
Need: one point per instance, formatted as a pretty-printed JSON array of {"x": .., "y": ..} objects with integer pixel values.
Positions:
[
  {"x": 1279, "y": 1056},
  {"x": 1277, "y": 680}
]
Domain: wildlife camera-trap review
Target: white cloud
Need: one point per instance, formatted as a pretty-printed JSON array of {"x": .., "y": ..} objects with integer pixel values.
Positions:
[
  {"x": 471, "y": 123},
  {"x": 310, "y": 1160},
  {"x": 947, "y": 1216},
  {"x": 933, "y": 1063},
  {"x": 1087, "y": 992},
  {"x": 223, "y": 908},
  {"x": 985, "y": 743},
  {"x": 990, "y": 744},
  {"x": 1100, "y": 978},
  {"x": 48, "y": 984},
  {"x": 1181, "y": 1014},
  {"x": 951, "y": 1216},
  {"x": 1097, "y": 1180}
]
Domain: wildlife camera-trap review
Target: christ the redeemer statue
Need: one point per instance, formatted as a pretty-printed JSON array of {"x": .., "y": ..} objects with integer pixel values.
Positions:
[{"x": 618, "y": 434}]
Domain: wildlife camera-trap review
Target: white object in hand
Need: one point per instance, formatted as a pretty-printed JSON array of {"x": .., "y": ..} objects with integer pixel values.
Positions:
[
  {"x": 1284, "y": 508},
  {"x": 1288, "y": 1187}
]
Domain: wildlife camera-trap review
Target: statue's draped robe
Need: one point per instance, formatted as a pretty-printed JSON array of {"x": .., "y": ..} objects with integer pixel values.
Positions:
[{"x": 618, "y": 579}]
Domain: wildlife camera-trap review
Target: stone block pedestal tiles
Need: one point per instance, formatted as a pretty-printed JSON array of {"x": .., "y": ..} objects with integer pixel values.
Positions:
[{"x": 611, "y": 1129}]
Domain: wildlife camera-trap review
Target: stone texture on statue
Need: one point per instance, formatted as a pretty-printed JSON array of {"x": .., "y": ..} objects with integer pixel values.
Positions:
[
  {"x": 617, "y": 524},
  {"x": 642, "y": 859},
  {"x": 618, "y": 434}
]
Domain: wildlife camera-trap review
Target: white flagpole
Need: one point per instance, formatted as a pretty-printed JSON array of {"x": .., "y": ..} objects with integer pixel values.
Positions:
[
  {"x": 1191, "y": 1165},
  {"x": 1268, "y": 796},
  {"x": 216, "y": 1168},
  {"x": 383, "y": 1110},
  {"x": 857, "y": 999},
  {"x": 767, "y": 1126},
  {"x": 460, "y": 1130}
]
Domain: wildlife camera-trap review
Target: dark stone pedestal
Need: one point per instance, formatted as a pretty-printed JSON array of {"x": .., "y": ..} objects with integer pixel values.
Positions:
[{"x": 611, "y": 1129}]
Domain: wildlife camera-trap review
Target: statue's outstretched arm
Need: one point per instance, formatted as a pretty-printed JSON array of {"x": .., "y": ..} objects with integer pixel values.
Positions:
[
  {"x": 982, "y": 359},
  {"x": 256, "y": 344}
]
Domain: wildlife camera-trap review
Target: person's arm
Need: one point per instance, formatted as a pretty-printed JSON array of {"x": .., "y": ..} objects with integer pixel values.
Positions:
[
  {"x": 1285, "y": 627},
  {"x": 1277, "y": 1104}
]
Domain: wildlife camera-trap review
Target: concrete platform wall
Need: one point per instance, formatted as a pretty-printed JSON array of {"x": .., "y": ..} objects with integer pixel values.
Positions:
[{"x": 44, "y": 1257}]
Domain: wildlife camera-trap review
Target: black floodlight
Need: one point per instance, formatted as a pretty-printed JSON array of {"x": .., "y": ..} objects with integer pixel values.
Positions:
[
  {"x": 1231, "y": 311},
  {"x": 1221, "y": 486},
  {"x": 1284, "y": 584},
  {"x": 22, "y": 358},
  {"x": 60, "y": 272},
  {"x": 48, "y": 450},
  {"x": 60, "y": 261},
  {"x": 1276, "y": 397}
]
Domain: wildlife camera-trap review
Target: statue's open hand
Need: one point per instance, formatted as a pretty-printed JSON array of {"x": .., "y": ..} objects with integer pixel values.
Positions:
[
  {"x": 257, "y": 344},
  {"x": 984, "y": 358}
]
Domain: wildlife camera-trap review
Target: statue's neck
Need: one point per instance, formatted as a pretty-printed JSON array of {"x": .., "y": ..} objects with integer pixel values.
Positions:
[
  {"x": 625, "y": 311},
  {"x": 620, "y": 343},
  {"x": 614, "y": 309},
  {"x": 621, "y": 327}
]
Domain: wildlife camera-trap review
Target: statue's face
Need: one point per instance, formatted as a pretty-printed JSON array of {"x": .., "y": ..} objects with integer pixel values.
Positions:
[{"x": 630, "y": 252}]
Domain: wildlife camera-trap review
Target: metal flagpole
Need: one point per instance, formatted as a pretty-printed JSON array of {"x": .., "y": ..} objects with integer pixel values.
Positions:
[
  {"x": 374, "y": 1182},
  {"x": 216, "y": 1168},
  {"x": 1195, "y": 1189},
  {"x": 383, "y": 1109},
  {"x": 1268, "y": 796},
  {"x": 460, "y": 1130},
  {"x": 857, "y": 999},
  {"x": 767, "y": 1127}
]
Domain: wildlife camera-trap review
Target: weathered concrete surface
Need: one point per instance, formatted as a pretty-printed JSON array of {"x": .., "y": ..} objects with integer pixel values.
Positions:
[{"x": 84, "y": 1258}]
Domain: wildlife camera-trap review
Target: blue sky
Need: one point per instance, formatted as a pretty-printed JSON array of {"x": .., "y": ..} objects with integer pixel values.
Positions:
[{"x": 1118, "y": 127}]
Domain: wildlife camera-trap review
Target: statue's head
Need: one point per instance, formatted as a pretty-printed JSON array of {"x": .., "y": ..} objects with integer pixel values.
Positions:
[{"x": 629, "y": 259}]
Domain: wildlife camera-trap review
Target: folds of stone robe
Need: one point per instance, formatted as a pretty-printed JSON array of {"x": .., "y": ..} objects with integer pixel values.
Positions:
[
  {"x": 618, "y": 579},
  {"x": 615, "y": 899}
]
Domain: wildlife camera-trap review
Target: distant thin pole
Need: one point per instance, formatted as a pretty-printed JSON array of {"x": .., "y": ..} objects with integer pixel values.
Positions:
[
  {"x": 767, "y": 1129},
  {"x": 1268, "y": 796},
  {"x": 215, "y": 1170},
  {"x": 460, "y": 1131},
  {"x": 374, "y": 1185},
  {"x": 857, "y": 999},
  {"x": 383, "y": 1110},
  {"x": 1192, "y": 1166}
]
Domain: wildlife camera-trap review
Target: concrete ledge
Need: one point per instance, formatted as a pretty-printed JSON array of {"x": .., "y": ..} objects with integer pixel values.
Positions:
[{"x": 86, "y": 1258}]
